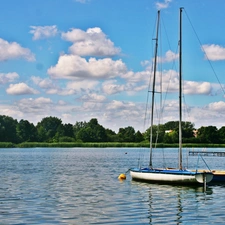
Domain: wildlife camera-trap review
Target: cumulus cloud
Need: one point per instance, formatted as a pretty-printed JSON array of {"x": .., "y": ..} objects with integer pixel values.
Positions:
[
  {"x": 169, "y": 57},
  {"x": 217, "y": 106},
  {"x": 92, "y": 42},
  {"x": 8, "y": 77},
  {"x": 36, "y": 108},
  {"x": 170, "y": 81},
  {"x": 137, "y": 77},
  {"x": 73, "y": 67},
  {"x": 163, "y": 5},
  {"x": 110, "y": 87},
  {"x": 12, "y": 50},
  {"x": 214, "y": 52},
  {"x": 192, "y": 87},
  {"x": 43, "y": 83},
  {"x": 34, "y": 102},
  {"x": 82, "y": 85},
  {"x": 120, "y": 105},
  {"x": 75, "y": 87},
  {"x": 93, "y": 98},
  {"x": 43, "y": 32},
  {"x": 20, "y": 89}
]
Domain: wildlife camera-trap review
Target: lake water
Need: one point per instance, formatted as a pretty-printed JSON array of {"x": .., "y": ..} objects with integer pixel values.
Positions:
[{"x": 80, "y": 186}]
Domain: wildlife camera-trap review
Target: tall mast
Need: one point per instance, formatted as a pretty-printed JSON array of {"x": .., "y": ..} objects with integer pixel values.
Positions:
[
  {"x": 180, "y": 93},
  {"x": 153, "y": 87}
]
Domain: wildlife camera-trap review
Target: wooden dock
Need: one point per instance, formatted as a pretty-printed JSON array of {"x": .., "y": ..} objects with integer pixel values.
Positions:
[{"x": 206, "y": 153}]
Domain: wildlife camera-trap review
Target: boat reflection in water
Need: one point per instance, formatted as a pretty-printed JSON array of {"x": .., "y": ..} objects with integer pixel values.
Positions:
[{"x": 174, "y": 204}]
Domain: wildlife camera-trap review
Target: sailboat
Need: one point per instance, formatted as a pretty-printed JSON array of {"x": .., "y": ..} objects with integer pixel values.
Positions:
[{"x": 163, "y": 175}]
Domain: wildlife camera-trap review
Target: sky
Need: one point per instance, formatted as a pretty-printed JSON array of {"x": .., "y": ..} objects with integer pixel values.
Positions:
[{"x": 83, "y": 59}]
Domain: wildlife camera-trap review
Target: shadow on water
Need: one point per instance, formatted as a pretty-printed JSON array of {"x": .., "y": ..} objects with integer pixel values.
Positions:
[{"x": 174, "y": 204}]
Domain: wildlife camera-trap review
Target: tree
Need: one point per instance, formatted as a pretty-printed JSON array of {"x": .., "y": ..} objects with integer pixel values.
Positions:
[
  {"x": 126, "y": 134},
  {"x": 68, "y": 130},
  {"x": 26, "y": 131},
  {"x": 92, "y": 132},
  {"x": 208, "y": 134},
  {"x": 173, "y": 136},
  {"x": 221, "y": 133},
  {"x": 138, "y": 137},
  {"x": 77, "y": 127},
  {"x": 8, "y": 129},
  {"x": 158, "y": 132},
  {"x": 111, "y": 135},
  {"x": 48, "y": 128}
]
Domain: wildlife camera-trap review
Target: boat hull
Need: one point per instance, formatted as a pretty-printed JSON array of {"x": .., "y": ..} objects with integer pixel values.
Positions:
[
  {"x": 218, "y": 176},
  {"x": 170, "y": 176}
]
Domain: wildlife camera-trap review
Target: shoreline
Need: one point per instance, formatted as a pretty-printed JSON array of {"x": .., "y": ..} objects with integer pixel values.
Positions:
[{"x": 103, "y": 145}]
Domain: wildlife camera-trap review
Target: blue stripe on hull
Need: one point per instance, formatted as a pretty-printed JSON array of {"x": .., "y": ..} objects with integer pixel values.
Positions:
[{"x": 164, "y": 171}]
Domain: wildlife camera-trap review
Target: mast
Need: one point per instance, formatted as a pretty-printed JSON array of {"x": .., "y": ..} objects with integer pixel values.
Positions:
[
  {"x": 180, "y": 92},
  {"x": 153, "y": 87}
]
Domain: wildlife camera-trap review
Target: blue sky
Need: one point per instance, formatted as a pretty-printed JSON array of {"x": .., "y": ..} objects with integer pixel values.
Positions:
[{"x": 83, "y": 59}]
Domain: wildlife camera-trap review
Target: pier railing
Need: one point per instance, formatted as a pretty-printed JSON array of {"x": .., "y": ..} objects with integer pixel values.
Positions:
[{"x": 206, "y": 153}]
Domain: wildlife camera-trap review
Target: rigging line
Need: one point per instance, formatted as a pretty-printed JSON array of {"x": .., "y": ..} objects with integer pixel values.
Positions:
[
  {"x": 150, "y": 76},
  {"x": 205, "y": 53},
  {"x": 159, "y": 113},
  {"x": 168, "y": 86},
  {"x": 148, "y": 91},
  {"x": 173, "y": 64}
]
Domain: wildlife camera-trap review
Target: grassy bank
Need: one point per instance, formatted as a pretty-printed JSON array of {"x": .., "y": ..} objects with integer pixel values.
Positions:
[{"x": 102, "y": 145}]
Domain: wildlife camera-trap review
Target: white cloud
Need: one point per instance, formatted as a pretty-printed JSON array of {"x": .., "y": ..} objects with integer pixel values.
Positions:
[
  {"x": 82, "y": 85},
  {"x": 214, "y": 52},
  {"x": 34, "y": 104},
  {"x": 76, "y": 87},
  {"x": 93, "y": 98},
  {"x": 43, "y": 32},
  {"x": 133, "y": 77},
  {"x": 73, "y": 67},
  {"x": 8, "y": 77},
  {"x": 14, "y": 51},
  {"x": 192, "y": 87},
  {"x": 170, "y": 81},
  {"x": 217, "y": 106},
  {"x": 120, "y": 106},
  {"x": 20, "y": 89},
  {"x": 36, "y": 109},
  {"x": 93, "y": 42},
  {"x": 169, "y": 57},
  {"x": 43, "y": 83},
  {"x": 163, "y": 5},
  {"x": 110, "y": 87}
]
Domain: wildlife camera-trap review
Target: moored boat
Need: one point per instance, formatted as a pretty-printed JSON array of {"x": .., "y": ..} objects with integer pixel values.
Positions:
[{"x": 170, "y": 176}]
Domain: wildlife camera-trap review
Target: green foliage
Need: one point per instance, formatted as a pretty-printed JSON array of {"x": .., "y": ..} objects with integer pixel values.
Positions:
[
  {"x": 126, "y": 134},
  {"x": 26, "y": 131},
  {"x": 158, "y": 132},
  {"x": 48, "y": 128},
  {"x": 8, "y": 129},
  {"x": 92, "y": 132},
  {"x": 208, "y": 134},
  {"x": 7, "y": 145},
  {"x": 52, "y": 132},
  {"x": 221, "y": 134}
]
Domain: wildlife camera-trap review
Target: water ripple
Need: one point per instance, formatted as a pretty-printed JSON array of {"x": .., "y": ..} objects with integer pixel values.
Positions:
[{"x": 80, "y": 186}]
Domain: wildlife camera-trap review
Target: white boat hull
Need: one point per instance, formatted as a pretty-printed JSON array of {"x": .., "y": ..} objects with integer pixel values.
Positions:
[{"x": 171, "y": 176}]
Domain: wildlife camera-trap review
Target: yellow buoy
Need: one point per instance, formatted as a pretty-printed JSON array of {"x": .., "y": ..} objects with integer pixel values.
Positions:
[{"x": 122, "y": 176}]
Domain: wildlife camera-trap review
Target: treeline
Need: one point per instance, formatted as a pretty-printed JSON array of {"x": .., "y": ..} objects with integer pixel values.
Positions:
[{"x": 52, "y": 130}]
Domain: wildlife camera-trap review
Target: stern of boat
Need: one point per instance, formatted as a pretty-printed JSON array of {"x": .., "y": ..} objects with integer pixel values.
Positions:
[{"x": 204, "y": 177}]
